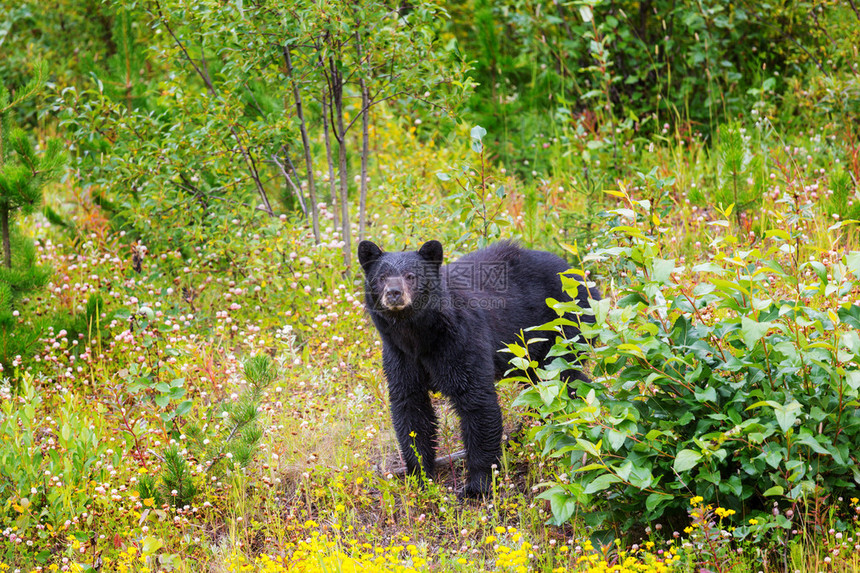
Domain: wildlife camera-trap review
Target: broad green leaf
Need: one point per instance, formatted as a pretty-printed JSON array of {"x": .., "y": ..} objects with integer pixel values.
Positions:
[
  {"x": 615, "y": 438},
  {"x": 852, "y": 261},
  {"x": 709, "y": 268},
  {"x": 707, "y": 395},
  {"x": 590, "y": 467},
  {"x": 779, "y": 233},
  {"x": 852, "y": 377},
  {"x": 625, "y": 213},
  {"x": 478, "y": 132},
  {"x": 662, "y": 270},
  {"x": 624, "y": 470},
  {"x": 561, "y": 502},
  {"x": 729, "y": 287},
  {"x": 585, "y": 12},
  {"x": 588, "y": 447},
  {"x": 600, "y": 308},
  {"x": 548, "y": 392},
  {"x": 184, "y": 407},
  {"x": 517, "y": 350},
  {"x": 601, "y": 482},
  {"x": 773, "y": 458},
  {"x": 686, "y": 460},
  {"x": 655, "y": 499},
  {"x": 850, "y": 341},
  {"x": 787, "y": 415},
  {"x": 753, "y": 331},
  {"x": 775, "y": 490},
  {"x": 641, "y": 477},
  {"x": 631, "y": 349},
  {"x": 770, "y": 403},
  {"x": 813, "y": 444},
  {"x": 562, "y": 506},
  {"x": 530, "y": 398},
  {"x": 151, "y": 545}
]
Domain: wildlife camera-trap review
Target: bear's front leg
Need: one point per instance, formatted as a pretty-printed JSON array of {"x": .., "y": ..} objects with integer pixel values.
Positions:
[
  {"x": 411, "y": 413},
  {"x": 481, "y": 425}
]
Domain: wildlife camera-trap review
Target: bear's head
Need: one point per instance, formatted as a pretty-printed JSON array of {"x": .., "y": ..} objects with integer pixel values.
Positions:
[{"x": 400, "y": 284}]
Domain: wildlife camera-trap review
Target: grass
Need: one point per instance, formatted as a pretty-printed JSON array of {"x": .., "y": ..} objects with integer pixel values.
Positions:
[{"x": 321, "y": 492}]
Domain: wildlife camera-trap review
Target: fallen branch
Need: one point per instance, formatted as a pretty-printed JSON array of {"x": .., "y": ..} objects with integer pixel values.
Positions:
[
  {"x": 444, "y": 461},
  {"x": 441, "y": 461}
]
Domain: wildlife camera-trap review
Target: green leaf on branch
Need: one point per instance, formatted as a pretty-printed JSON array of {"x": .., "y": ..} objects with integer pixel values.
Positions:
[
  {"x": 686, "y": 460},
  {"x": 654, "y": 500},
  {"x": 753, "y": 331},
  {"x": 601, "y": 482},
  {"x": 775, "y": 490}
]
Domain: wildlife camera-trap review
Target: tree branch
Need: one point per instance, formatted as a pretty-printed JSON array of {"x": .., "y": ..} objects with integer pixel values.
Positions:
[
  {"x": 289, "y": 179},
  {"x": 249, "y": 161},
  {"x": 854, "y": 7},
  {"x": 306, "y": 145},
  {"x": 373, "y": 102}
]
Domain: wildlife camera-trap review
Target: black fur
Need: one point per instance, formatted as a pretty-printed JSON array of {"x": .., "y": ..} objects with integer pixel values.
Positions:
[{"x": 441, "y": 329}]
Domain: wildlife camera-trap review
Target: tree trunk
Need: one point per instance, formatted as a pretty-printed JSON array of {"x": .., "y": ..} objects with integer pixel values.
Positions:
[
  {"x": 297, "y": 96},
  {"x": 326, "y": 109},
  {"x": 365, "y": 144},
  {"x": 296, "y": 190},
  {"x": 337, "y": 103},
  {"x": 4, "y": 207},
  {"x": 4, "y": 229},
  {"x": 365, "y": 150}
]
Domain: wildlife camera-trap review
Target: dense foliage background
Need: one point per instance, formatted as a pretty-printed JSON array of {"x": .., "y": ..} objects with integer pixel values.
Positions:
[{"x": 189, "y": 379}]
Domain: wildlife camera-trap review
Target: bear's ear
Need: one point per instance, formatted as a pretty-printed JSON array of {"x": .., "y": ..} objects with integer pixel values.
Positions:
[
  {"x": 368, "y": 253},
  {"x": 431, "y": 251}
]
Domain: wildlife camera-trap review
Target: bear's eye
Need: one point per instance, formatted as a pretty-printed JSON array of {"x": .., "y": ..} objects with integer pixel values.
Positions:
[{"x": 409, "y": 277}]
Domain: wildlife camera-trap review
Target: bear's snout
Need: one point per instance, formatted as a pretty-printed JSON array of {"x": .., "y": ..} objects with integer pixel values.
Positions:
[{"x": 395, "y": 294}]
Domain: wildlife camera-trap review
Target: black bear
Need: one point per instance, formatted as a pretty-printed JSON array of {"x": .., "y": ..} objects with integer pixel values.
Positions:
[{"x": 441, "y": 329}]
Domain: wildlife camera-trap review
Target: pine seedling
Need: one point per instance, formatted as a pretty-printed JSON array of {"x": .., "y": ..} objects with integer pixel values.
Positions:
[
  {"x": 223, "y": 445},
  {"x": 844, "y": 201},
  {"x": 177, "y": 483},
  {"x": 174, "y": 484},
  {"x": 736, "y": 167},
  {"x": 232, "y": 442},
  {"x": 148, "y": 491}
]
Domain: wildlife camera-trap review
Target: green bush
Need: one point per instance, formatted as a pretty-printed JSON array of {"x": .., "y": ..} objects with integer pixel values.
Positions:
[
  {"x": 738, "y": 383},
  {"x": 46, "y": 476},
  {"x": 605, "y": 72},
  {"x": 191, "y": 136}
]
